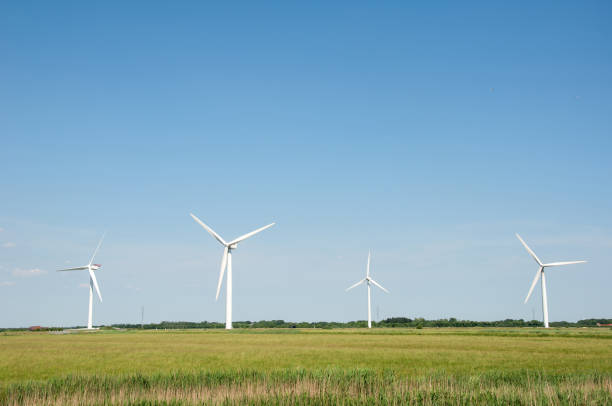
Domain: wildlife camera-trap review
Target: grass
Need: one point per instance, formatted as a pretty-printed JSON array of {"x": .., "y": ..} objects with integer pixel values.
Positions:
[{"x": 387, "y": 366}]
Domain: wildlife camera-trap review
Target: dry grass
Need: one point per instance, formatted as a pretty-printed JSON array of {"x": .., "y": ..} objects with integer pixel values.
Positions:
[{"x": 314, "y": 387}]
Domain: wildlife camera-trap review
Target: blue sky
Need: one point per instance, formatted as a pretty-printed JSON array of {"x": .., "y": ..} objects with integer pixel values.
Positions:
[{"x": 429, "y": 134}]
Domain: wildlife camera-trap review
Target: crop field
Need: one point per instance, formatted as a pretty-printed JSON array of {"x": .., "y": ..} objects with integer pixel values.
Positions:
[{"x": 309, "y": 366}]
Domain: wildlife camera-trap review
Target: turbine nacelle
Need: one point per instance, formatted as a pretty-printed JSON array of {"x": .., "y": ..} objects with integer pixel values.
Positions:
[{"x": 96, "y": 267}]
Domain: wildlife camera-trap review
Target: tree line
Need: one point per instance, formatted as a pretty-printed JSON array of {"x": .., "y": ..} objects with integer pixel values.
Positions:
[
  {"x": 391, "y": 322},
  {"x": 387, "y": 323}
]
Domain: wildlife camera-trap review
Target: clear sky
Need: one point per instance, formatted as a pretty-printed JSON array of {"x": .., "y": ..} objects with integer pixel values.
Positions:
[{"x": 429, "y": 134}]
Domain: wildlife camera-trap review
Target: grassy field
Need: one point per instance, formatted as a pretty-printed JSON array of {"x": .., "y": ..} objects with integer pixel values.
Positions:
[{"x": 386, "y": 366}]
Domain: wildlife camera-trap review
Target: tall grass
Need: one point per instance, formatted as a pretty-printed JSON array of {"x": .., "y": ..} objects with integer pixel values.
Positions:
[
  {"x": 320, "y": 386},
  {"x": 432, "y": 367}
]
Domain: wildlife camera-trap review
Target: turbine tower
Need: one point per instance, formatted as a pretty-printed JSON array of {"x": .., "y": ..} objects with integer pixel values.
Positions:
[
  {"x": 91, "y": 267},
  {"x": 369, "y": 281},
  {"x": 226, "y": 262},
  {"x": 541, "y": 274}
]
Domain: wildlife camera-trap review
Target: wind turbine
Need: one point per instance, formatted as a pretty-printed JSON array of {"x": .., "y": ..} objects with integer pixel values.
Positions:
[
  {"x": 226, "y": 261},
  {"x": 541, "y": 274},
  {"x": 369, "y": 281},
  {"x": 91, "y": 267}
]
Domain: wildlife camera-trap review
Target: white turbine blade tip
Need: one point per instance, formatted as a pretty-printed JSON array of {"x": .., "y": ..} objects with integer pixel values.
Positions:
[
  {"x": 564, "y": 263},
  {"x": 95, "y": 282},
  {"x": 208, "y": 229},
  {"x": 252, "y": 233},
  {"x": 79, "y": 268},
  {"x": 535, "y": 281},
  {"x": 529, "y": 250},
  {"x": 97, "y": 248},
  {"x": 355, "y": 285},
  {"x": 222, "y": 271},
  {"x": 377, "y": 284}
]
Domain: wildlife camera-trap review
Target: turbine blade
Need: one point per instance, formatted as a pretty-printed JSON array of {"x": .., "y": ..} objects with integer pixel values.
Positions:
[
  {"x": 223, "y": 264},
  {"x": 210, "y": 230},
  {"x": 92, "y": 275},
  {"x": 252, "y": 233},
  {"x": 564, "y": 263},
  {"x": 79, "y": 268},
  {"x": 535, "y": 281},
  {"x": 376, "y": 283},
  {"x": 355, "y": 285},
  {"x": 529, "y": 250},
  {"x": 97, "y": 248},
  {"x": 368, "y": 268}
]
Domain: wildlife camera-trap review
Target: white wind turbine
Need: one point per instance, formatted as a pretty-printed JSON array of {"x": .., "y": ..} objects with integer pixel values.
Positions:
[
  {"x": 541, "y": 274},
  {"x": 369, "y": 281},
  {"x": 91, "y": 267},
  {"x": 226, "y": 261}
]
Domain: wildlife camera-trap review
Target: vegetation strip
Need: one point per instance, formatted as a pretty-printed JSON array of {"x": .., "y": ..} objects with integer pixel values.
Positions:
[{"x": 393, "y": 322}]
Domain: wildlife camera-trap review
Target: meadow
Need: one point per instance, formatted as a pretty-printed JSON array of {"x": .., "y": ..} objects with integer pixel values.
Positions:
[{"x": 309, "y": 366}]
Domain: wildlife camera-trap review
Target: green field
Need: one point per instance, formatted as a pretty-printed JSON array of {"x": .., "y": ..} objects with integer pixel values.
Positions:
[{"x": 384, "y": 366}]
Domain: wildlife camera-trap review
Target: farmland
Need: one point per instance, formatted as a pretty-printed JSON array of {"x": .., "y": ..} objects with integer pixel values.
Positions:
[{"x": 401, "y": 366}]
